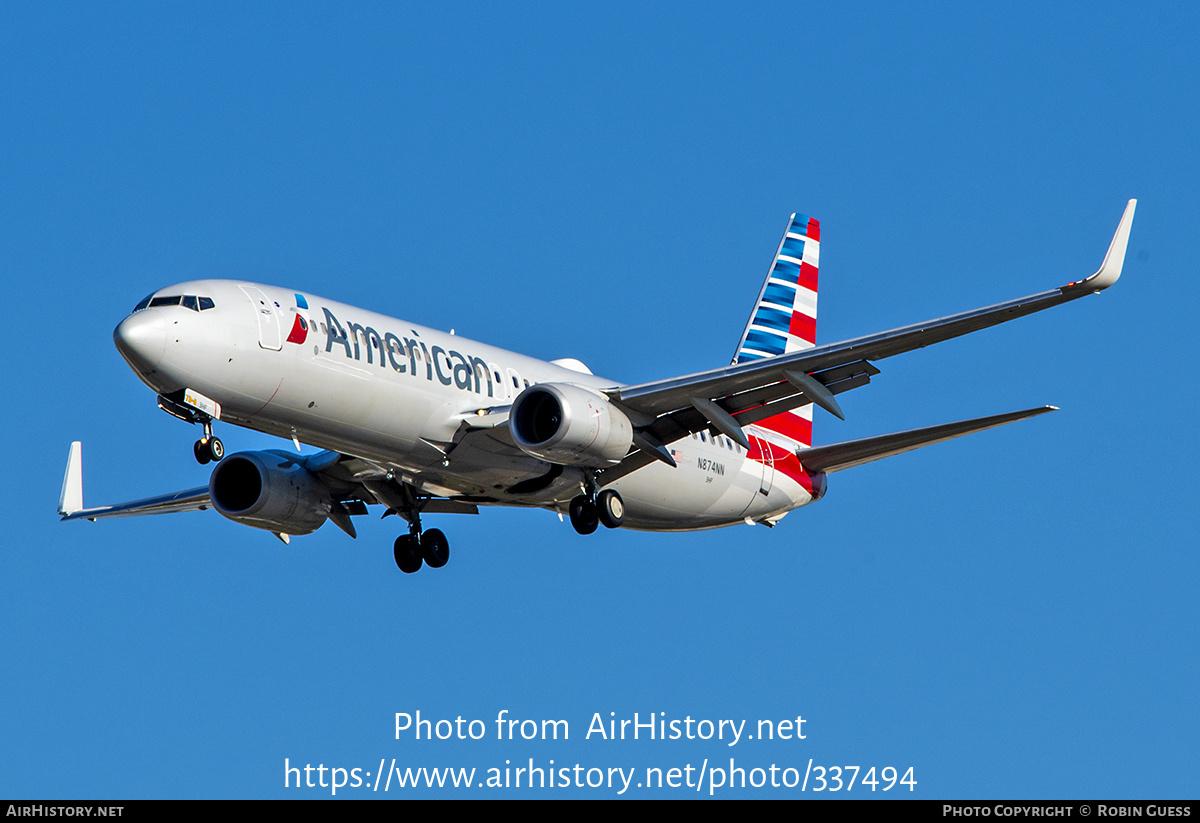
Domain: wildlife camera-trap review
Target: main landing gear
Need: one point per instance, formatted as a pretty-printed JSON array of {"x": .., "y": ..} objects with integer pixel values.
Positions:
[
  {"x": 208, "y": 448},
  {"x": 588, "y": 511},
  {"x": 429, "y": 547}
]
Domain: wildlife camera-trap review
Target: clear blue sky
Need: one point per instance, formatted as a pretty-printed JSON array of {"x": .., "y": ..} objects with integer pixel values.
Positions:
[{"x": 1013, "y": 614}]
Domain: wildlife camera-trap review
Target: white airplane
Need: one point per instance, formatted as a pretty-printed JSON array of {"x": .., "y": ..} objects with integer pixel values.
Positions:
[{"x": 425, "y": 422}]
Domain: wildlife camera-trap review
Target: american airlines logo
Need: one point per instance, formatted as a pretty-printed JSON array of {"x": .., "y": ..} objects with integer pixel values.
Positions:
[{"x": 403, "y": 354}]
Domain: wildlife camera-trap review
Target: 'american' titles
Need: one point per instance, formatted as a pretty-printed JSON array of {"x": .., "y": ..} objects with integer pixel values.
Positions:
[{"x": 402, "y": 354}]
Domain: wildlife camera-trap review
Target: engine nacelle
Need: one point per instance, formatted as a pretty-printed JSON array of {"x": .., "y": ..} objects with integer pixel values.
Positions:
[
  {"x": 269, "y": 490},
  {"x": 570, "y": 425}
]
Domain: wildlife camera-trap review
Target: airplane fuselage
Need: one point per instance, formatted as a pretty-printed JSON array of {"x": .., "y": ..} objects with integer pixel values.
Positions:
[{"x": 404, "y": 397}]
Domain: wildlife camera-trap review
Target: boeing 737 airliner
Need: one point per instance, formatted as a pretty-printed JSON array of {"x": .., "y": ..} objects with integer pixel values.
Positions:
[{"x": 425, "y": 422}]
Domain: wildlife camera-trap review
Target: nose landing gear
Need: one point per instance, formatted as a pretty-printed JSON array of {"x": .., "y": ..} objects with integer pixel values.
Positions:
[
  {"x": 192, "y": 407},
  {"x": 208, "y": 448}
]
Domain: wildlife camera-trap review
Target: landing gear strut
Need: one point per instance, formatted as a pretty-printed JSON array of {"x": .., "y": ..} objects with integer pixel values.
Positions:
[
  {"x": 429, "y": 547},
  {"x": 589, "y": 510},
  {"x": 208, "y": 448}
]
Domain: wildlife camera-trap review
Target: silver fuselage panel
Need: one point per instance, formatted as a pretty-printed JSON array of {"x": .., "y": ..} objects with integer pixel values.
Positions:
[{"x": 404, "y": 397}]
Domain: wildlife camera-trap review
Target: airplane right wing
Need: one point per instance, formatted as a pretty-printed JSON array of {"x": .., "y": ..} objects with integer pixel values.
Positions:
[{"x": 728, "y": 398}]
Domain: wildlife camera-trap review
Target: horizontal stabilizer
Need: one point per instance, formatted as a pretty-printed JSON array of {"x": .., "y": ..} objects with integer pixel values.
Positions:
[{"x": 850, "y": 453}]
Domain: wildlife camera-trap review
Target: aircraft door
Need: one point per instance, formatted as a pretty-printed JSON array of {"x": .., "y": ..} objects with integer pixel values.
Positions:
[
  {"x": 269, "y": 334},
  {"x": 768, "y": 464},
  {"x": 760, "y": 465}
]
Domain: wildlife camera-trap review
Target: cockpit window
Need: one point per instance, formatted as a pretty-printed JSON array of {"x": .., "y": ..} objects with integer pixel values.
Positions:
[{"x": 188, "y": 301}]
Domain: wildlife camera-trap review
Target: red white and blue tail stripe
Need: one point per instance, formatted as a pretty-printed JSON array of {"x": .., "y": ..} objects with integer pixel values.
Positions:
[{"x": 785, "y": 317}]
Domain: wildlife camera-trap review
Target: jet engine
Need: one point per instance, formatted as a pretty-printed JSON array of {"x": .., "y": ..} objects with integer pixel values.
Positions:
[
  {"x": 269, "y": 490},
  {"x": 570, "y": 425}
]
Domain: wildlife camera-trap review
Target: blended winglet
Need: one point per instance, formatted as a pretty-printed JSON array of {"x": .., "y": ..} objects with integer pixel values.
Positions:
[
  {"x": 1110, "y": 269},
  {"x": 70, "y": 500}
]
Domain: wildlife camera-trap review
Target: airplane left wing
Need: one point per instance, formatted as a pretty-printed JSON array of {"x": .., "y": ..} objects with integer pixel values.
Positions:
[
  {"x": 70, "y": 501},
  {"x": 726, "y": 399},
  {"x": 344, "y": 485}
]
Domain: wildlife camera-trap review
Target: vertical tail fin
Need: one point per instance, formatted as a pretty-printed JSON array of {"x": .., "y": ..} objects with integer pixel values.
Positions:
[{"x": 785, "y": 316}]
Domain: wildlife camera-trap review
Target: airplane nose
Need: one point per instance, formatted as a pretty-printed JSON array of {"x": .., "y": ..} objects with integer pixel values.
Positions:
[{"x": 141, "y": 339}]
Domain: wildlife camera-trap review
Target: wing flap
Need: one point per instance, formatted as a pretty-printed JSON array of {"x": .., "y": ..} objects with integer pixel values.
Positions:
[{"x": 667, "y": 395}]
